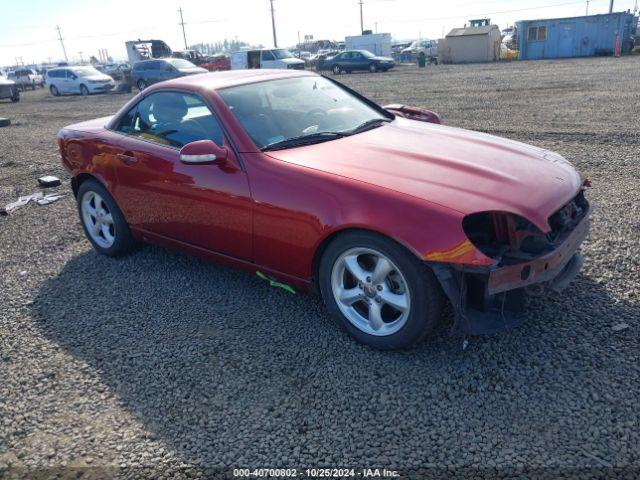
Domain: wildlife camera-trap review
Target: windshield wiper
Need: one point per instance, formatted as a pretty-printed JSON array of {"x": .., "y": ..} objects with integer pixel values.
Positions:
[
  {"x": 302, "y": 140},
  {"x": 368, "y": 125}
]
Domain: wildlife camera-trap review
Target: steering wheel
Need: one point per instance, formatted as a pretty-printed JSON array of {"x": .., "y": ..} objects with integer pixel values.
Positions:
[{"x": 314, "y": 116}]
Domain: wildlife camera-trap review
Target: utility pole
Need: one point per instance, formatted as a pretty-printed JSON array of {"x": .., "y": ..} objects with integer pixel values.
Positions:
[
  {"x": 587, "y": 7},
  {"x": 62, "y": 43},
  {"x": 273, "y": 25},
  {"x": 376, "y": 23},
  {"x": 184, "y": 35},
  {"x": 361, "y": 21},
  {"x": 611, "y": 6}
]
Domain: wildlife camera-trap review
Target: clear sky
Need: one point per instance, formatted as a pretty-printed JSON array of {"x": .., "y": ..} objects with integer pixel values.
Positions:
[{"x": 27, "y": 27}]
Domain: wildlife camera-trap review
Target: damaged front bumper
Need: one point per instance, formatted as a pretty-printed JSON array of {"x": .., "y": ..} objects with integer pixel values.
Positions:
[{"x": 492, "y": 299}]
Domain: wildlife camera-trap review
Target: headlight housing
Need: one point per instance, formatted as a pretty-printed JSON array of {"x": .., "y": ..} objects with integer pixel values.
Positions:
[{"x": 511, "y": 239}]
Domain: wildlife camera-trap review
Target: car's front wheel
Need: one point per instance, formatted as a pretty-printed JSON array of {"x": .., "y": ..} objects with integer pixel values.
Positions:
[
  {"x": 141, "y": 84},
  {"x": 381, "y": 293},
  {"x": 337, "y": 70},
  {"x": 84, "y": 90},
  {"x": 102, "y": 220}
]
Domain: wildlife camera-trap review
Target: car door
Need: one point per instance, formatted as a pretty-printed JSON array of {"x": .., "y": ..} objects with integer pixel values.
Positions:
[
  {"x": 203, "y": 205},
  {"x": 73, "y": 83},
  {"x": 62, "y": 81},
  {"x": 267, "y": 60},
  {"x": 358, "y": 61}
]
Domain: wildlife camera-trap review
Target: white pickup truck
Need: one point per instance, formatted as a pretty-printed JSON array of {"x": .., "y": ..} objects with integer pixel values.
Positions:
[
  {"x": 265, "y": 58},
  {"x": 429, "y": 47},
  {"x": 27, "y": 77}
]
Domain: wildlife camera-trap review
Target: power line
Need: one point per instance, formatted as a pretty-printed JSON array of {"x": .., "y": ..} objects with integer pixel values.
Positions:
[
  {"x": 471, "y": 15},
  {"x": 184, "y": 35},
  {"x": 64, "y": 50}
]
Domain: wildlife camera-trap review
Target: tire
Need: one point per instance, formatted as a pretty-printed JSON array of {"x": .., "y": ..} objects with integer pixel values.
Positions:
[
  {"x": 373, "y": 68},
  {"x": 408, "y": 283},
  {"x": 16, "y": 96},
  {"x": 5, "y": 122},
  {"x": 84, "y": 91},
  {"x": 141, "y": 84},
  {"x": 117, "y": 240},
  {"x": 33, "y": 86},
  {"x": 337, "y": 70},
  {"x": 54, "y": 91}
]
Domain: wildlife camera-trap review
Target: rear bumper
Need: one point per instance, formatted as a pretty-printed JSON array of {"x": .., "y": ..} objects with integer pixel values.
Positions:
[
  {"x": 492, "y": 299},
  {"x": 8, "y": 91}
]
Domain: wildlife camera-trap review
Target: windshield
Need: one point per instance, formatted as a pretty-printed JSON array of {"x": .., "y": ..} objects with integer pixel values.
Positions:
[
  {"x": 181, "y": 64},
  {"x": 281, "y": 53},
  {"x": 278, "y": 110},
  {"x": 85, "y": 71},
  {"x": 367, "y": 53}
]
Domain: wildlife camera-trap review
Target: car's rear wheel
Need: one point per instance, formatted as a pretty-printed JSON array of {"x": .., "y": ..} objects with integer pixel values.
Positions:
[
  {"x": 381, "y": 293},
  {"x": 373, "y": 68},
  {"x": 15, "y": 96},
  {"x": 337, "y": 69},
  {"x": 84, "y": 90},
  {"x": 102, "y": 220},
  {"x": 54, "y": 91},
  {"x": 141, "y": 84}
]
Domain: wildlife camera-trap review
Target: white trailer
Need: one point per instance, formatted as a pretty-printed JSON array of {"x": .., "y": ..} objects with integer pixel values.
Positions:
[{"x": 377, "y": 43}]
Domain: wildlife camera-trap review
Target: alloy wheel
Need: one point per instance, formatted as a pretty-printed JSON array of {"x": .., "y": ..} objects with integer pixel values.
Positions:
[
  {"x": 98, "y": 219},
  {"x": 370, "y": 291}
]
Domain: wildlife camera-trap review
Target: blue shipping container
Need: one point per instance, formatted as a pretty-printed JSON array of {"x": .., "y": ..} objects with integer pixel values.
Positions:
[{"x": 576, "y": 36}]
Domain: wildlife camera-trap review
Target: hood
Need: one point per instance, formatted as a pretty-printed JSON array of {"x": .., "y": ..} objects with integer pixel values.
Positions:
[
  {"x": 6, "y": 81},
  {"x": 193, "y": 71},
  {"x": 292, "y": 61},
  {"x": 100, "y": 77},
  {"x": 459, "y": 169}
]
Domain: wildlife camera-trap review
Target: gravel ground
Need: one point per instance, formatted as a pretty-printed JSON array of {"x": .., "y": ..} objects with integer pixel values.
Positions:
[{"x": 160, "y": 365}]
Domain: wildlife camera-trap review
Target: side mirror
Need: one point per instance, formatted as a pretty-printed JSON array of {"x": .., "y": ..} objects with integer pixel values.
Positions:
[
  {"x": 203, "y": 152},
  {"x": 413, "y": 113}
]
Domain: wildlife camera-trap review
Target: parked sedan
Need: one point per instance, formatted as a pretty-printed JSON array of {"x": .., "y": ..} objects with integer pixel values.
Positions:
[
  {"x": 353, "y": 60},
  {"x": 148, "y": 72},
  {"x": 383, "y": 211},
  {"x": 216, "y": 63}
]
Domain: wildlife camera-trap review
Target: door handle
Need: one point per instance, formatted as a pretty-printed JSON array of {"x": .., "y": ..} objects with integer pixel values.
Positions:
[{"x": 127, "y": 158}]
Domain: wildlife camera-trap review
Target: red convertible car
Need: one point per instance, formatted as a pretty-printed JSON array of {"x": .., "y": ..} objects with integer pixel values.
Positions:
[{"x": 383, "y": 211}]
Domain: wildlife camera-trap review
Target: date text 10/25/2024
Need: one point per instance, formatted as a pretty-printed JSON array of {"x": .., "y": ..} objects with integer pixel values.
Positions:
[{"x": 316, "y": 473}]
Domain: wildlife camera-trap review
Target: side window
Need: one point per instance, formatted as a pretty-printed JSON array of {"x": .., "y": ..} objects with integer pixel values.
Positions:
[
  {"x": 267, "y": 55},
  {"x": 542, "y": 33},
  {"x": 533, "y": 34},
  {"x": 126, "y": 122},
  {"x": 174, "y": 119}
]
